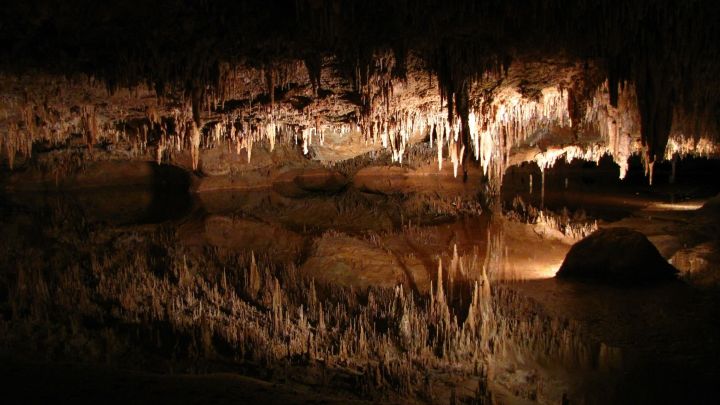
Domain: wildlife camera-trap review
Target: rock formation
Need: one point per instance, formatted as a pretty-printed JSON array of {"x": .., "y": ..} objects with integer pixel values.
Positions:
[{"x": 618, "y": 256}]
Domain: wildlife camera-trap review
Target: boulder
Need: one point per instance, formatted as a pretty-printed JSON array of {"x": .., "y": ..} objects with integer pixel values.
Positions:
[{"x": 616, "y": 256}]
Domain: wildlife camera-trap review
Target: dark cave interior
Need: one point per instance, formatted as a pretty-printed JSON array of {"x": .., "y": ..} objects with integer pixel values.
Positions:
[{"x": 345, "y": 201}]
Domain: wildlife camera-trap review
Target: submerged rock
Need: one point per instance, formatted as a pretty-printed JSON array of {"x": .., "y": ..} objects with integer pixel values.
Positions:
[{"x": 617, "y": 256}]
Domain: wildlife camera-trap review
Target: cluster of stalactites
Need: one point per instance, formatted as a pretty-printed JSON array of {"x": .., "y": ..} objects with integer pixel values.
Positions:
[
  {"x": 244, "y": 134},
  {"x": 237, "y": 82},
  {"x": 195, "y": 124},
  {"x": 681, "y": 146},
  {"x": 509, "y": 120},
  {"x": 548, "y": 158},
  {"x": 618, "y": 126},
  {"x": 382, "y": 120},
  {"x": 389, "y": 119},
  {"x": 495, "y": 125},
  {"x": 29, "y": 122}
]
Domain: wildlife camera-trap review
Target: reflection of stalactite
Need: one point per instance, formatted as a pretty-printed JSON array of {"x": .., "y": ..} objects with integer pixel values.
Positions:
[
  {"x": 293, "y": 318},
  {"x": 495, "y": 264},
  {"x": 253, "y": 280}
]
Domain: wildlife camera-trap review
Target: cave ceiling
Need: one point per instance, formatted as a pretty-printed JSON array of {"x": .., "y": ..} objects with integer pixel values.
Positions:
[{"x": 489, "y": 83}]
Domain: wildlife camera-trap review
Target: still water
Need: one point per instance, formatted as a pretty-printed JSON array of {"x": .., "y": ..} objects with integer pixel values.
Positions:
[{"x": 364, "y": 297}]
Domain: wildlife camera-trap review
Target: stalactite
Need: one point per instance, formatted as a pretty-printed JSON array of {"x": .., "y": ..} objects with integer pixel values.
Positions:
[
  {"x": 194, "y": 137},
  {"x": 618, "y": 125},
  {"x": 160, "y": 150},
  {"x": 11, "y": 146},
  {"x": 270, "y": 133},
  {"x": 90, "y": 125},
  {"x": 307, "y": 139}
]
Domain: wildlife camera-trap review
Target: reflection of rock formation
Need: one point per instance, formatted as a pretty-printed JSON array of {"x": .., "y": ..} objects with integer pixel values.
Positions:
[
  {"x": 225, "y": 303},
  {"x": 697, "y": 263},
  {"x": 300, "y": 183},
  {"x": 246, "y": 235},
  {"x": 526, "y": 251},
  {"x": 349, "y": 261}
]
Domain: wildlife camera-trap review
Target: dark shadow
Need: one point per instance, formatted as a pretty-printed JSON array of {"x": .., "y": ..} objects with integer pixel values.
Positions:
[{"x": 170, "y": 199}]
